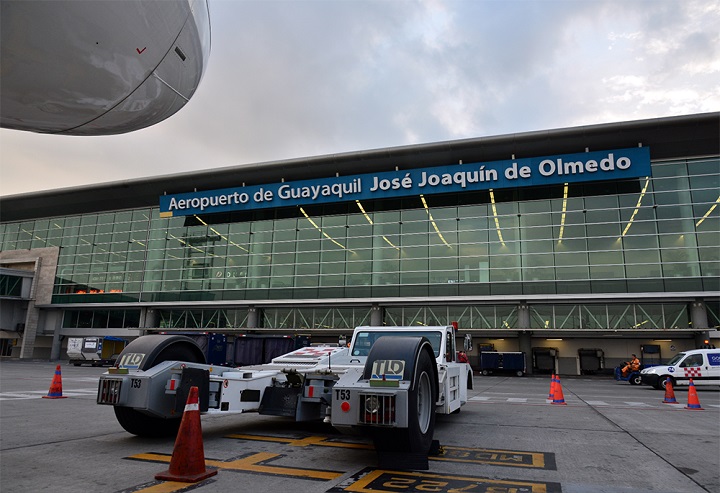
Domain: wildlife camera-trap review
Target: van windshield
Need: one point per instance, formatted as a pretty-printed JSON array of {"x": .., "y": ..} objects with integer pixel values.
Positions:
[
  {"x": 675, "y": 360},
  {"x": 365, "y": 340}
]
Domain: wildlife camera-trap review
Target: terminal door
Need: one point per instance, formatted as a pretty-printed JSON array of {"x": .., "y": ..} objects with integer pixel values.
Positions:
[
  {"x": 544, "y": 360},
  {"x": 592, "y": 361}
]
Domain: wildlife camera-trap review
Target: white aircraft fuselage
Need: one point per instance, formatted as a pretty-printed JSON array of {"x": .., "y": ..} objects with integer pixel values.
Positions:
[{"x": 99, "y": 67}]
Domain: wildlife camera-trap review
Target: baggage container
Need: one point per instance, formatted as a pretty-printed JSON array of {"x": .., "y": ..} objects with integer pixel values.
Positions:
[{"x": 496, "y": 362}]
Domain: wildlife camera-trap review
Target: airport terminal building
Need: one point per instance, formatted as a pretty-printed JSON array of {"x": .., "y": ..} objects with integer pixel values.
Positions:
[{"x": 599, "y": 238}]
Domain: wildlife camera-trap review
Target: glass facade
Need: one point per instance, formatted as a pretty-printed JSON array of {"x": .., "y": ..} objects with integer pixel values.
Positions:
[
  {"x": 10, "y": 286},
  {"x": 101, "y": 319},
  {"x": 657, "y": 234}
]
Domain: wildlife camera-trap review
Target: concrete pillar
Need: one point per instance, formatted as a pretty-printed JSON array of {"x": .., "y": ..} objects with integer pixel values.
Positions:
[
  {"x": 523, "y": 310},
  {"x": 698, "y": 315},
  {"x": 376, "y": 316},
  {"x": 150, "y": 318},
  {"x": 525, "y": 346},
  {"x": 27, "y": 347},
  {"x": 253, "y": 318},
  {"x": 699, "y": 320},
  {"x": 56, "y": 345}
]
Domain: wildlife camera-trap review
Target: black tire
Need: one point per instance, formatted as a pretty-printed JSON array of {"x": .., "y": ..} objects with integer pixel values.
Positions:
[
  {"x": 485, "y": 373},
  {"x": 662, "y": 382},
  {"x": 417, "y": 437},
  {"x": 155, "y": 349},
  {"x": 146, "y": 425},
  {"x": 635, "y": 379},
  {"x": 421, "y": 371},
  {"x": 519, "y": 373},
  {"x": 421, "y": 405}
]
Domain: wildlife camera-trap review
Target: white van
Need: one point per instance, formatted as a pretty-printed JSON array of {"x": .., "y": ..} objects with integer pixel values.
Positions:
[{"x": 702, "y": 365}]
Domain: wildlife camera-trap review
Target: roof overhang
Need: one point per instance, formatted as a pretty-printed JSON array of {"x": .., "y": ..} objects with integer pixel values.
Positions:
[{"x": 668, "y": 138}]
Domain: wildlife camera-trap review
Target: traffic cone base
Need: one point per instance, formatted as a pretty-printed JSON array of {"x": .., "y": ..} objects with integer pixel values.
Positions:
[
  {"x": 187, "y": 464},
  {"x": 55, "y": 391},
  {"x": 669, "y": 393},
  {"x": 188, "y": 478},
  {"x": 558, "y": 397},
  {"x": 693, "y": 401}
]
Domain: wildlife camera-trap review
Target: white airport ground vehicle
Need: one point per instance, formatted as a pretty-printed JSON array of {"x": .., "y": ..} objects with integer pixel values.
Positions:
[
  {"x": 702, "y": 365},
  {"x": 96, "y": 351},
  {"x": 388, "y": 384}
]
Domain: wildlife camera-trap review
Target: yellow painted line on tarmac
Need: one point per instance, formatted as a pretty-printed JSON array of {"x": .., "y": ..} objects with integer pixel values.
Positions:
[
  {"x": 508, "y": 458},
  {"x": 252, "y": 463},
  {"x": 165, "y": 487},
  {"x": 379, "y": 480},
  {"x": 512, "y": 458},
  {"x": 303, "y": 442}
]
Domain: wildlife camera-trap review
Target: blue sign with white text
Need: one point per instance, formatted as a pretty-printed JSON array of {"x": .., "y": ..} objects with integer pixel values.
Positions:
[{"x": 615, "y": 164}]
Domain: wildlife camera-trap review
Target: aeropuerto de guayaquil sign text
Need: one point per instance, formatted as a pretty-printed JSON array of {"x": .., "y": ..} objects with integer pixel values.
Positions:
[{"x": 615, "y": 164}]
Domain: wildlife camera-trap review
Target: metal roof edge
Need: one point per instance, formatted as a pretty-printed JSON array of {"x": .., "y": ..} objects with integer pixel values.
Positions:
[{"x": 143, "y": 192}]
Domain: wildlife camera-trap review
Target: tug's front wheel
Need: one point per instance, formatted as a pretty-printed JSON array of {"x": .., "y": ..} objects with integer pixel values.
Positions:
[
  {"x": 421, "y": 371},
  {"x": 421, "y": 407}
]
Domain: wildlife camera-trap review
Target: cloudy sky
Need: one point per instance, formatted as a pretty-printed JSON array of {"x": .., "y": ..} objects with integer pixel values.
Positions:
[{"x": 289, "y": 79}]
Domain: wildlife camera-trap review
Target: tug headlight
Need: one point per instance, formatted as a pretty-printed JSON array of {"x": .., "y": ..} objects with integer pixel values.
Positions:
[{"x": 372, "y": 404}]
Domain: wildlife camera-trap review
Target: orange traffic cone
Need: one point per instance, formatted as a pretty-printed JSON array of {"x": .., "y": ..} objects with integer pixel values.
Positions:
[
  {"x": 187, "y": 464},
  {"x": 558, "y": 397},
  {"x": 552, "y": 387},
  {"x": 669, "y": 393},
  {"x": 693, "y": 401},
  {"x": 55, "y": 391}
]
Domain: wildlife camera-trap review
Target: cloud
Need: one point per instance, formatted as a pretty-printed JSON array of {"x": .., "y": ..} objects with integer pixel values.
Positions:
[{"x": 293, "y": 78}]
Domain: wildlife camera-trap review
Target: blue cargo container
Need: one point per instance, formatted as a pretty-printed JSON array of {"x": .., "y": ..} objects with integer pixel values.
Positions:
[{"x": 495, "y": 362}]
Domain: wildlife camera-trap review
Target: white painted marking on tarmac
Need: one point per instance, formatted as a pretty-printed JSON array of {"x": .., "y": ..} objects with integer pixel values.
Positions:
[
  {"x": 38, "y": 394},
  {"x": 499, "y": 399},
  {"x": 8, "y": 396}
]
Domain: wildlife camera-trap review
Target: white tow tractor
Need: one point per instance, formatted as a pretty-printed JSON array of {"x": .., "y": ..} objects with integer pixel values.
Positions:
[{"x": 388, "y": 384}]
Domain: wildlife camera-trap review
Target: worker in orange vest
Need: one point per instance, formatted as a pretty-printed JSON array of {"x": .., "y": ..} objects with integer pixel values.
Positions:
[{"x": 632, "y": 365}]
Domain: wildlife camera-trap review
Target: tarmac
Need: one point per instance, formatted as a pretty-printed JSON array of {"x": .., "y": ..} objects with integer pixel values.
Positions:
[{"x": 608, "y": 437}]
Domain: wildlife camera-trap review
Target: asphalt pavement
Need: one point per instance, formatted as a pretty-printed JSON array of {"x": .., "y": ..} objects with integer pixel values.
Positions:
[{"x": 608, "y": 437}]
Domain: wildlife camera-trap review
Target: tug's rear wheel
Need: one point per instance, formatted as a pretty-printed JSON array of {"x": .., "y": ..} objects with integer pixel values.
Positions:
[{"x": 144, "y": 425}]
